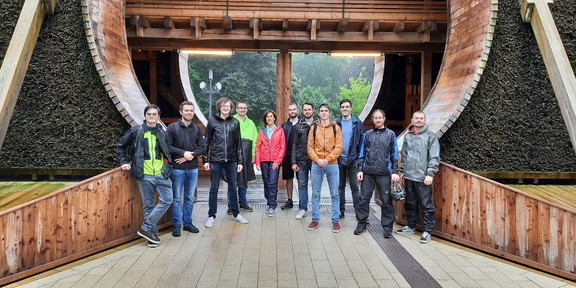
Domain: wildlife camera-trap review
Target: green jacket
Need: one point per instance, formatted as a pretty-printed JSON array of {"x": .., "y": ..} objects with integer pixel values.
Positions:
[{"x": 248, "y": 131}]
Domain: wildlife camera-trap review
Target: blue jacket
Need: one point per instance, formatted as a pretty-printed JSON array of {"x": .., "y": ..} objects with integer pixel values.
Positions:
[{"x": 355, "y": 141}]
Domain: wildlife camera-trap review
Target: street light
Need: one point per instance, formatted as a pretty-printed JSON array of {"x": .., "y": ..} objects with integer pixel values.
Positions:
[{"x": 209, "y": 89}]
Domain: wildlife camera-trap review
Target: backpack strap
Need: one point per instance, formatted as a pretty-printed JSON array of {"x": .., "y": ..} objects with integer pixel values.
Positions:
[{"x": 333, "y": 131}]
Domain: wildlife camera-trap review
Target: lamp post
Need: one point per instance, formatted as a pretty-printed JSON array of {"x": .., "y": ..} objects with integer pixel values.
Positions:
[{"x": 210, "y": 90}]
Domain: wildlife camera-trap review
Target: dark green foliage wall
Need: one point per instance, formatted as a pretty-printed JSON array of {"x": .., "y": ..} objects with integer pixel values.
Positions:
[
  {"x": 63, "y": 117},
  {"x": 9, "y": 12},
  {"x": 513, "y": 121}
]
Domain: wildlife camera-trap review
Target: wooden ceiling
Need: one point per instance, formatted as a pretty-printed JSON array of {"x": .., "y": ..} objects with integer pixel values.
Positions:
[{"x": 290, "y": 25}]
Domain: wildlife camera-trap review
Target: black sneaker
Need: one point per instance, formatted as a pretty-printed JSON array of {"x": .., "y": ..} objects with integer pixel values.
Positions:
[
  {"x": 359, "y": 229},
  {"x": 149, "y": 235},
  {"x": 387, "y": 232},
  {"x": 229, "y": 212},
  {"x": 191, "y": 228},
  {"x": 288, "y": 205},
  {"x": 342, "y": 215},
  {"x": 152, "y": 244},
  {"x": 176, "y": 231},
  {"x": 245, "y": 207}
]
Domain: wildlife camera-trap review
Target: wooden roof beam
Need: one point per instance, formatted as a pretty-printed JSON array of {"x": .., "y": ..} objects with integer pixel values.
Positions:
[
  {"x": 198, "y": 25},
  {"x": 227, "y": 23},
  {"x": 169, "y": 23},
  {"x": 285, "y": 25},
  {"x": 399, "y": 26},
  {"x": 313, "y": 27},
  {"x": 256, "y": 25},
  {"x": 342, "y": 25},
  {"x": 370, "y": 27}
]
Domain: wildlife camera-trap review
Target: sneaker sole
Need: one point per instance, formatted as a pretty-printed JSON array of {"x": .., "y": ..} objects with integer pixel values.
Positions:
[
  {"x": 425, "y": 241},
  {"x": 152, "y": 245},
  {"x": 335, "y": 231},
  {"x": 149, "y": 239},
  {"x": 405, "y": 233},
  {"x": 312, "y": 229},
  {"x": 243, "y": 209}
]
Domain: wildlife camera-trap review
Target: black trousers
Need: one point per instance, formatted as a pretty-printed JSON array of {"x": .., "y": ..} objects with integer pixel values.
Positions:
[
  {"x": 382, "y": 182},
  {"x": 418, "y": 196}
]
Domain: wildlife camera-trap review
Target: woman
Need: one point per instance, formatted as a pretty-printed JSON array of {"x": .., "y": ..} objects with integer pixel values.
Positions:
[
  {"x": 270, "y": 149},
  {"x": 378, "y": 162}
]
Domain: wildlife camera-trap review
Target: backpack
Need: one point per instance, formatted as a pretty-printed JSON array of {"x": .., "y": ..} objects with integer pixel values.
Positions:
[{"x": 316, "y": 126}]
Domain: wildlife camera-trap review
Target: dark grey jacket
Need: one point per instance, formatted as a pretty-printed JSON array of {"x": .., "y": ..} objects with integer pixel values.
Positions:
[
  {"x": 420, "y": 154},
  {"x": 186, "y": 138},
  {"x": 379, "y": 152}
]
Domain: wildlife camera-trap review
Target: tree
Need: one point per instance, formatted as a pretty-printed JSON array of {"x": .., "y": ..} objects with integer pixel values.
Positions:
[{"x": 357, "y": 93}]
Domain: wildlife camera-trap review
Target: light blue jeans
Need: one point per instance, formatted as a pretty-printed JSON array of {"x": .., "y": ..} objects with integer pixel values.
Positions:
[
  {"x": 332, "y": 174},
  {"x": 152, "y": 214},
  {"x": 183, "y": 181},
  {"x": 303, "y": 173}
]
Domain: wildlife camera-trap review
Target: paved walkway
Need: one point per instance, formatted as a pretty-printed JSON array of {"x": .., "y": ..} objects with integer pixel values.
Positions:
[{"x": 280, "y": 252}]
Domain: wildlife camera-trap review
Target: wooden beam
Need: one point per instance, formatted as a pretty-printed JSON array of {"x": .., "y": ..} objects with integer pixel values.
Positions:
[
  {"x": 557, "y": 63},
  {"x": 198, "y": 24},
  {"x": 313, "y": 27},
  {"x": 285, "y": 25},
  {"x": 368, "y": 28},
  {"x": 18, "y": 56},
  {"x": 425, "y": 75},
  {"x": 399, "y": 27},
  {"x": 227, "y": 23},
  {"x": 256, "y": 25},
  {"x": 283, "y": 84},
  {"x": 343, "y": 25},
  {"x": 169, "y": 23}
]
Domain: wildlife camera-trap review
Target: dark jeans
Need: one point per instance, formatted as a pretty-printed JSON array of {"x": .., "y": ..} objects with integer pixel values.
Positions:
[
  {"x": 303, "y": 176},
  {"x": 270, "y": 179},
  {"x": 352, "y": 173},
  {"x": 382, "y": 182},
  {"x": 419, "y": 195},
  {"x": 216, "y": 170}
]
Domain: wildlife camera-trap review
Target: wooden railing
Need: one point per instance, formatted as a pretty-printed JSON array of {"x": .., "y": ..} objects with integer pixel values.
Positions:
[
  {"x": 69, "y": 224},
  {"x": 503, "y": 221},
  {"x": 293, "y": 9}
]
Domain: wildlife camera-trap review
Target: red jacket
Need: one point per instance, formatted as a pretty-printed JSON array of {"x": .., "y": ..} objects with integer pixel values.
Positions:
[{"x": 273, "y": 150}]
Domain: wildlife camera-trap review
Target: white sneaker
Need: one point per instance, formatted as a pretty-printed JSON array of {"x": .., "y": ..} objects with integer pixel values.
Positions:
[
  {"x": 271, "y": 212},
  {"x": 241, "y": 219},
  {"x": 209, "y": 222},
  {"x": 301, "y": 214}
]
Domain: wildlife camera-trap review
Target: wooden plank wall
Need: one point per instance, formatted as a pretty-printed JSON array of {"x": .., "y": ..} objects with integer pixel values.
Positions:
[
  {"x": 83, "y": 219},
  {"x": 503, "y": 221}
]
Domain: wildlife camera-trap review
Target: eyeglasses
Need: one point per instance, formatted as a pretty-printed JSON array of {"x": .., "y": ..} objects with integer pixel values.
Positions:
[
  {"x": 225, "y": 106},
  {"x": 152, "y": 114}
]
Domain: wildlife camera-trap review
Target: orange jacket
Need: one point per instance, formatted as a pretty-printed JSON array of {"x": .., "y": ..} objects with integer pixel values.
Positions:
[
  {"x": 327, "y": 145},
  {"x": 272, "y": 150}
]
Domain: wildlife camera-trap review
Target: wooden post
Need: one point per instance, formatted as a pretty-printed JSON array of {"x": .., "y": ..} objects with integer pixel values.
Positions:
[
  {"x": 283, "y": 90},
  {"x": 557, "y": 63},
  {"x": 153, "y": 77},
  {"x": 426, "y": 75},
  {"x": 18, "y": 56}
]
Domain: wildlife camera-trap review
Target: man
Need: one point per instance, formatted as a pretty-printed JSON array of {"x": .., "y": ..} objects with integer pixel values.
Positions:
[
  {"x": 324, "y": 147},
  {"x": 222, "y": 156},
  {"x": 187, "y": 145},
  {"x": 301, "y": 162},
  {"x": 150, "y": 163},
  {"x": 287, "y": 172},
  {"x": 419, "y": 165},
  {"x": 249, "y": 134},
  {"x": 379, "y": 161},
  {"x": 352, "y": 131}
]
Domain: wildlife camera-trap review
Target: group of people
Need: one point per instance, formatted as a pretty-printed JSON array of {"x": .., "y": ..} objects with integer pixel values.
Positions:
[{"x": 166, "y": 162}]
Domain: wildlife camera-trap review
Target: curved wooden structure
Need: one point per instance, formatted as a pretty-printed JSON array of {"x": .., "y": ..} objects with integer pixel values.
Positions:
[
  {"x": 185, "y": 86},
  {"x": 471, "y": 28},
  {"x": 375, "y": 89},
  {"x": 111, "y": 56},
  {"x": 492, "y": 217},
  {"x": 71, "y": 223}
]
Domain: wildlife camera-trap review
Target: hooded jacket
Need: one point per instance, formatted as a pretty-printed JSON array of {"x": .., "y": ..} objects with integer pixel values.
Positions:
[
  {"x": 136, "y": 147},
  {"x": 248, "y": 131},
  {"x": 273, "y": 149},
  {"x": 420, "y": 154},
  {"x": 300, "y": 146},
  {"x": 379, "y": 152},
  {"x": 186, "y": 138},
  {"x": 223, "y": 140},
  {"x": 355, "y": 140},
  {"x": 325, "y": 144}
]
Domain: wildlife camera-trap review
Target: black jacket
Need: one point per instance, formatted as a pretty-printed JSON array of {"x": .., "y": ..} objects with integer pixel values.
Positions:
[
  {"x": 186, "y": 138},
  {"x": 133, "y": 144},
  {"x": 223, "y": 141},
  {"x": 379, "y": 152},
  {"x": 300, "y": 145},
  {"x": 289, "y": 134}
]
